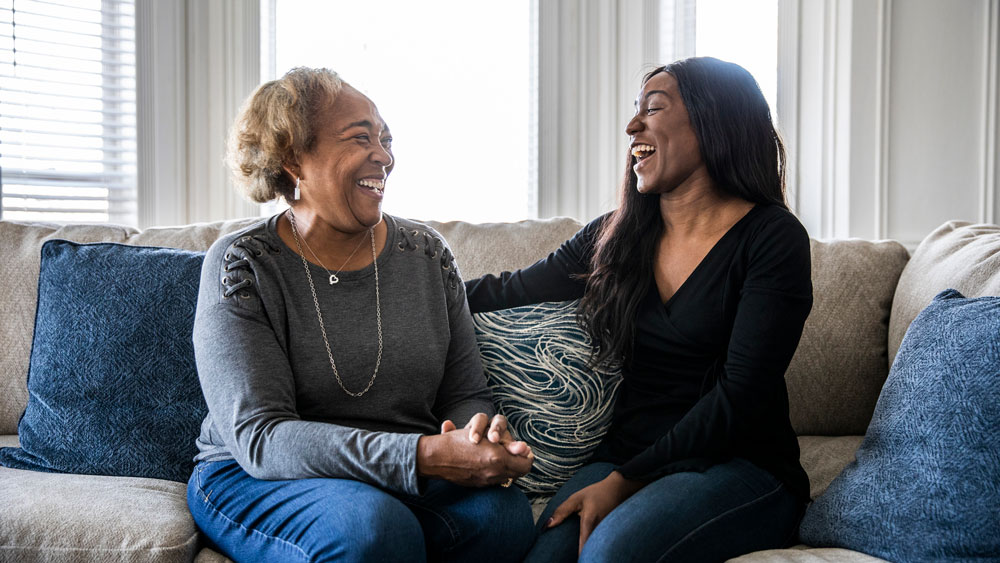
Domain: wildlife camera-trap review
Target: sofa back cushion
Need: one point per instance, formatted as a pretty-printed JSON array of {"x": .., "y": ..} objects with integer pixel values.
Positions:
[
  {"x": 833, "y": 380},
  {"x": 842, "y": 360},
  {"x": 20, "y": 251},
  {"x": 957, "y": 255},
  {"x": 113, "y": 388},
  {"x": 491, "y": 248}
]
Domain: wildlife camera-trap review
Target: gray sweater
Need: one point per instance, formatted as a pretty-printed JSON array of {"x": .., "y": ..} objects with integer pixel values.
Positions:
[{"x": 274, "y": 403}]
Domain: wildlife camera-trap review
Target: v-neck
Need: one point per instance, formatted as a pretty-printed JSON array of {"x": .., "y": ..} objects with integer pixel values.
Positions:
[{"x": 701, "y": 264}]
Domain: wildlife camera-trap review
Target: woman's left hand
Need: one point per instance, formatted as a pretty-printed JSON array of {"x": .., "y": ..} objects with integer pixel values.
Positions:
[
  {"x": 595, "y": 502},
  {"x": 495, "y": 430}
]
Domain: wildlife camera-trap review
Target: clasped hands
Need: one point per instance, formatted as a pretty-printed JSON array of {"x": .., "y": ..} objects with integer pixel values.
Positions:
[{"x": 463, "y": 457}]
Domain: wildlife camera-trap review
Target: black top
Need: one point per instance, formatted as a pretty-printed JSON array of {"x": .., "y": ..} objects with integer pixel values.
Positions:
[{"x": 706, "y": 383}]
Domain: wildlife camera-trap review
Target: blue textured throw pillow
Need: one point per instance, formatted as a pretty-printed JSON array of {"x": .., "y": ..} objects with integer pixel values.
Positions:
[
  {"x": 112, "y": 386},
  {"x": 535, "y": 358},
  {"x": 926, "y": 482}
]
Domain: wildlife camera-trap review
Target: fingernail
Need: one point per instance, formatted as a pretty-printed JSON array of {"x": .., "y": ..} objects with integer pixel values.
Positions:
[
  {"x": 475, "y": 437},
  {"x": 549, "y": 523}
]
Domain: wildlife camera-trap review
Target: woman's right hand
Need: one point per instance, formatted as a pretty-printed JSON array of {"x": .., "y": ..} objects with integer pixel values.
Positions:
[{"x": 453, "y": 457}]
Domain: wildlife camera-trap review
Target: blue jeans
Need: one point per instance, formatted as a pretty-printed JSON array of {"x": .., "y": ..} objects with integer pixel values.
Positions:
[
  {"x": 730, "y": 509},
  {"x": 345, "y": 520}
]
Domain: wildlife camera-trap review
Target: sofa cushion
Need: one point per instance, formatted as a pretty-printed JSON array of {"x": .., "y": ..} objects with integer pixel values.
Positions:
[
  {"x": 20, "y": 247},
  {"x": 824, "y": 457},
  {"x": 112, "y": 381},
  {"x": 804, "y": 554},
  {"x": 838, "y": 369},
  {"x": 491, "y": 248},
  {"x": 957, "y": 255},
  {"x": 535, "y": 359},
  {"x": 926, "y": 482},
  {"x": 50, "y": 517}
]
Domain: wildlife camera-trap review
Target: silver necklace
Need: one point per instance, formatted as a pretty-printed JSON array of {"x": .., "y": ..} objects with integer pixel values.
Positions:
[
  {"x": 333, "y": 277},
  {"x": 319, "y": 314}
]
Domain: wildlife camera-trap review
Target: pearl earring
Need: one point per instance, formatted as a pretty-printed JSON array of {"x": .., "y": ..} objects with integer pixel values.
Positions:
[{"x": 298, "y": 194}]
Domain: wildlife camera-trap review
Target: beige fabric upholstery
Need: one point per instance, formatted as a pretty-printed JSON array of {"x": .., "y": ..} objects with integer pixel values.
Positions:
[
  {"x": 50, "y": 517},
  {"x": 824, "y": 457},
  {"x": 841, "y": 363},
  {"x": 207, "y": 555},
  {"x": 20, "y": 246},
  {"x": 491, "y": 248},
  {"x": 9, "y": 441},
  {"x": 956, "y": 255},
  {"x": 803, "y": 554}
]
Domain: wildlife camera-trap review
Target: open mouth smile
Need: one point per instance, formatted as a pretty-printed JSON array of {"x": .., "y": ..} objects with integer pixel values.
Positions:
[{"x": 375, "y": 186}]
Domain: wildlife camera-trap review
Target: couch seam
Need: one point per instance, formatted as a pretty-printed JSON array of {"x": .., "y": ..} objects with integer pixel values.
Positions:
[{"x": 102, "y": 549}]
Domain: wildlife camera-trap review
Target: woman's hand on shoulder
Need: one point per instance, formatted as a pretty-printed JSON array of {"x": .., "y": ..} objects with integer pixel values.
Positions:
[
  {"x": 452, "y": 456},
  {"x": 595, "y": 502}
]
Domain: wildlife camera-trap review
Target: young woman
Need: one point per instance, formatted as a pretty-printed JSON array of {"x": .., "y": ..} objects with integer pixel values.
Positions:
[{"x": 699, "y": 283}]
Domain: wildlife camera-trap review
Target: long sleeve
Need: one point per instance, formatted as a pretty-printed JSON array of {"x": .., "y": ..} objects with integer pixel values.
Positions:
[
  {"x": 553, "y": 278},
  {"x": 749, "y": 398},
  {"x": 463, "y": 391},
  {"x": 251, "y": 395}
]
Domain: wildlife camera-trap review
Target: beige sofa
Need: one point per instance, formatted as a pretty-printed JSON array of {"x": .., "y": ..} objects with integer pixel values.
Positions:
[{"x": 866, "y": 294}]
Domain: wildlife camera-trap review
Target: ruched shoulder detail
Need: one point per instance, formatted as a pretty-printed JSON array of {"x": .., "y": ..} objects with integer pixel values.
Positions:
[
  {"x": 237, "y": 276},
  {"x": 428, "y": 242}
]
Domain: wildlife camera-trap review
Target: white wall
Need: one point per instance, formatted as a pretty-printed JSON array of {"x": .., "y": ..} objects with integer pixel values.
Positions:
[{"x": 890, "y": 109}]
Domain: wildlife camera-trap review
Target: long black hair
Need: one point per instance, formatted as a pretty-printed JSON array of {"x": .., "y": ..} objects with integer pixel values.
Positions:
[{"x": 744, "y": 156}]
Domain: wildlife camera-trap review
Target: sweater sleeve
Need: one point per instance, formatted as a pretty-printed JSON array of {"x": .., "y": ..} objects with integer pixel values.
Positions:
[
  {"x": 250, "y": 390},
  {"x": 554, "y": 278},
  {"x": 463, "y": 391},
  {"x": 774, "y": 302}
]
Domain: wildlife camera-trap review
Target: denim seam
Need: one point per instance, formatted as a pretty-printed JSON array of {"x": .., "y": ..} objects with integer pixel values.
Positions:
[
  {"x": 716, "y": 518},
  {"x": 216, "y": 510},
  {"x": 456, "y": 535}
]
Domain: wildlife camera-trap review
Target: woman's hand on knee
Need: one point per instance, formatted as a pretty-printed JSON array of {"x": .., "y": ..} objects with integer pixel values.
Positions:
[
  {"x": 497, "y": 431},
  {"x": 452, "y": 456},
  {"x": 595, "y": 502}
]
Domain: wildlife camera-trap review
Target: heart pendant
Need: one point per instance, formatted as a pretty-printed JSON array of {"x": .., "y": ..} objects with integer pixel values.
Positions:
[{"x": 334, "y": 279}]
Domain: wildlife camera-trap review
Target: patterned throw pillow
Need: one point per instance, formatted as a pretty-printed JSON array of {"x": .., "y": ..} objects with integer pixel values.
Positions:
[
  {"x": 926, "y": 482},
  {"x": 535, "y": 358},
  {"x": 112, "y": 383}
]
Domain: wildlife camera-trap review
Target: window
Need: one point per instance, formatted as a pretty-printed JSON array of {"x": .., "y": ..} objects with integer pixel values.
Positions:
[
  {"x": 742, "y": 32},
  {"x": 67, "y": 111},
  {"x": 454, "y": 90}
]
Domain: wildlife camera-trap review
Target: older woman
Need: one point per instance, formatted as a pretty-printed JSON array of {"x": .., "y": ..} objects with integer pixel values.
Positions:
[
  {"x": 336, "y": 353},
  {"x": 700, "y": 284}
]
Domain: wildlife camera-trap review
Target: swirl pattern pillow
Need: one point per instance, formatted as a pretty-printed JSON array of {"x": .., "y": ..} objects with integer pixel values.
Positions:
[
  {"x": 925, "y": 485},
  {"x": 535, "y": 358}
]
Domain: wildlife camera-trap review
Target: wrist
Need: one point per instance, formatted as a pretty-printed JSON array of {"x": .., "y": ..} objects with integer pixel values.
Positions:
[
  {"x": 425, "y": 455},
  {"x": 627, "y": 487}
]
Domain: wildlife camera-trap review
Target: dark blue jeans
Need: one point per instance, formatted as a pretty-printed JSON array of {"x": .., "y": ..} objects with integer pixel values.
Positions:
[
  {"x": 345, "y": 520},
  {"x": 730, "y": 509}
]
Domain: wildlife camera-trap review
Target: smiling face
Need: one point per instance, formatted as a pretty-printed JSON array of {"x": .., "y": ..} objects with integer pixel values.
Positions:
[
  {"x": 664, "y": 146},
  {"x": 343, "y": 174}
]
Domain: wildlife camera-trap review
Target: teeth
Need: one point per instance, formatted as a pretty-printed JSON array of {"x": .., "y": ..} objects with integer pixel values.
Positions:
[
  {"x": 377, "y": 185},
  {"x": 639, "y": 150}
]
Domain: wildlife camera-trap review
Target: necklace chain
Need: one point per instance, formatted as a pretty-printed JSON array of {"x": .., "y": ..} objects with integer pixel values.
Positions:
[
  {"x": 319, "y": 314},
  {"x": 333, "y": 276}
]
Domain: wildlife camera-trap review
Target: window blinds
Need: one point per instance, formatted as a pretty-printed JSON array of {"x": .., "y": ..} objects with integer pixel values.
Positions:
[{"x": 68, "y": 111}]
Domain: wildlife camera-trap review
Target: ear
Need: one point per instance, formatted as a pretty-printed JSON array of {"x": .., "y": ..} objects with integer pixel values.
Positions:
[{"x": 292, "y": 168}]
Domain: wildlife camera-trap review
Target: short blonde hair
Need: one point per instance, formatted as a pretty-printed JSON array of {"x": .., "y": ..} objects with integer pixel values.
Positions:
[{"x": 275, "y": 126}]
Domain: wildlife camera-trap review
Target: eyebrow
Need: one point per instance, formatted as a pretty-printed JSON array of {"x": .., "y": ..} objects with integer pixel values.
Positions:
[
  {"x": 363, "y": 123},
  {"x": 650, "y": 93}
]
